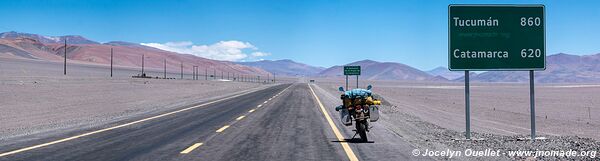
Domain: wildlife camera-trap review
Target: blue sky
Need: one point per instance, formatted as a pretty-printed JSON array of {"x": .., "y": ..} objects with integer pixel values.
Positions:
[{"x": 320, "y": 33}]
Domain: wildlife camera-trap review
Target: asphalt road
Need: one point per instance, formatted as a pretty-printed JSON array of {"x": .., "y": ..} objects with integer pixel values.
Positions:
[{"x": 283, "y": 122}]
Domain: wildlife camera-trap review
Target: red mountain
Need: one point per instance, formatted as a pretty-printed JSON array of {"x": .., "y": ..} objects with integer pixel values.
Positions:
[
  {"x": 560, "y": 68},
  {"x": 82, "y": 50},
  {"x": 373, "y": 70}
]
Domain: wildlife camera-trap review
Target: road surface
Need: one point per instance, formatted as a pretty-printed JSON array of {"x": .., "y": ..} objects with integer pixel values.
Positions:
[{"x": 283, "y": 122}]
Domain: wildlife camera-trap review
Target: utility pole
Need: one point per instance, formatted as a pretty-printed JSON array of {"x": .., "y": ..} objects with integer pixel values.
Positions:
[
  {"x": 214, "y": 73},
  {"x": 143, "y": 75},
  {"x": 205, "y": 73},
  {"x": 111, "y": 62},
  {"x": 221, "y": 74},
  {"x": 195, "y": 75},
  {"x": 165, "y": 71},
  {"x": 181, "y": 70},
  {"x": 65, "y": 65}
]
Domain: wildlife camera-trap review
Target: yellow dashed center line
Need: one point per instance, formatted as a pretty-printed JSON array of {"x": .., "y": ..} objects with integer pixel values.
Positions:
[
  {"x": 189, "y": 149},
  {"x": 337, "y": 133},
  {"x": 239, "y": 118},
  {"x": 223, "y": 128}
]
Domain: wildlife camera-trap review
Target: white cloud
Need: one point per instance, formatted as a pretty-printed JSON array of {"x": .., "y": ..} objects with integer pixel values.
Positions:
[
  {"x": 222, "y": 50},
  {"x": 260, "y": 54}
]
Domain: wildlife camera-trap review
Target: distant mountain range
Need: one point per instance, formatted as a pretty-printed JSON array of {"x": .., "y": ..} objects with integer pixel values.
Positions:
[
  {"x": 560, "y": 68},
  {"x": 373, "y": 70},
  {"x": 82, "y": 50},
  {"x": 73, "y": 39},
  {"x": 444, "y": 72},
  {"x": 285, "y": 67}
]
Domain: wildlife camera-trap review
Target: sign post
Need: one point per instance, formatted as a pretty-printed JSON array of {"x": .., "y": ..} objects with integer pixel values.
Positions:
[
  {"x": 532, "y": 104},
  {"x": 351, "y": 70},
  {"x": 467, "y": 107},
  {"x": 497, "y": 37}
]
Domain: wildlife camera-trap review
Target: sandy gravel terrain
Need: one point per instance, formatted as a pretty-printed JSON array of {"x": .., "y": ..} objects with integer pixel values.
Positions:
[
  {"x": 499, "y": 108},
  {"x": 431, "y": 116},
  {"x": 36, "y": 99}
]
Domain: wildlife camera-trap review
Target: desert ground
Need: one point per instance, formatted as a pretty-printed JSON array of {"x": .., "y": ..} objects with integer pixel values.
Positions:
[
  {"x": 39, "y": 102},
  {"x": 36, "y": 98},
  {"x": 431, "y": 115},
  {"x": 498, "y": 108}
]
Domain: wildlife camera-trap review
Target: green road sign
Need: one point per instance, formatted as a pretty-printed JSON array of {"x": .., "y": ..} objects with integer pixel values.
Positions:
[
  {"x": 496, "y": 37},
  {"x": 351, "y": 70}
]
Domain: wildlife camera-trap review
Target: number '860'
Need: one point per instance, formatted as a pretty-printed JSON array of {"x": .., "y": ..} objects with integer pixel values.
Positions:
[{"x": 531, "y": 21}]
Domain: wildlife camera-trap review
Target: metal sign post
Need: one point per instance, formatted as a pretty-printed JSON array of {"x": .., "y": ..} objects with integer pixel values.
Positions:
[
  {"x": 346, "y": 82},
  {"x": 497, "y": 37},
  {"x": 532, "y": 102},
  {"x": 467, "y": 106},
  {"x": 356, "y": 81},
  {"x": 351, "y": 70}
]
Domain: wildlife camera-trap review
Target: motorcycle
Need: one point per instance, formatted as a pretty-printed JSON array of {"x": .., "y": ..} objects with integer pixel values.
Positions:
[{"x": 359, "y": 106}]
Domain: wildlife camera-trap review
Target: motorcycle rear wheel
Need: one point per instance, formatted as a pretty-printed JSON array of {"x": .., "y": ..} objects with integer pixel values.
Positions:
[{"x": 361, "y": 128}]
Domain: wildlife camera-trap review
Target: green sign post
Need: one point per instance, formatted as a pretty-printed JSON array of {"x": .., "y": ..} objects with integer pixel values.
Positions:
[
  {"x": 351, "y": 70},
  {"x": 497, "y": 37}
]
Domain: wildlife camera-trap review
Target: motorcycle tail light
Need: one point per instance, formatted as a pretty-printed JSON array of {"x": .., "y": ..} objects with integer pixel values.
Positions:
[{"x": 358, "y": 107}]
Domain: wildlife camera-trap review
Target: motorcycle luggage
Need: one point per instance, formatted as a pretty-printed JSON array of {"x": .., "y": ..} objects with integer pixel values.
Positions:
[
  {"x": 374, "y": 113},
  {"x": 338, "y": 108},
  {"x": 345, "y": 117},
  {"x": 347, "y": 102},
  {"x": 357, "y": 93}
]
